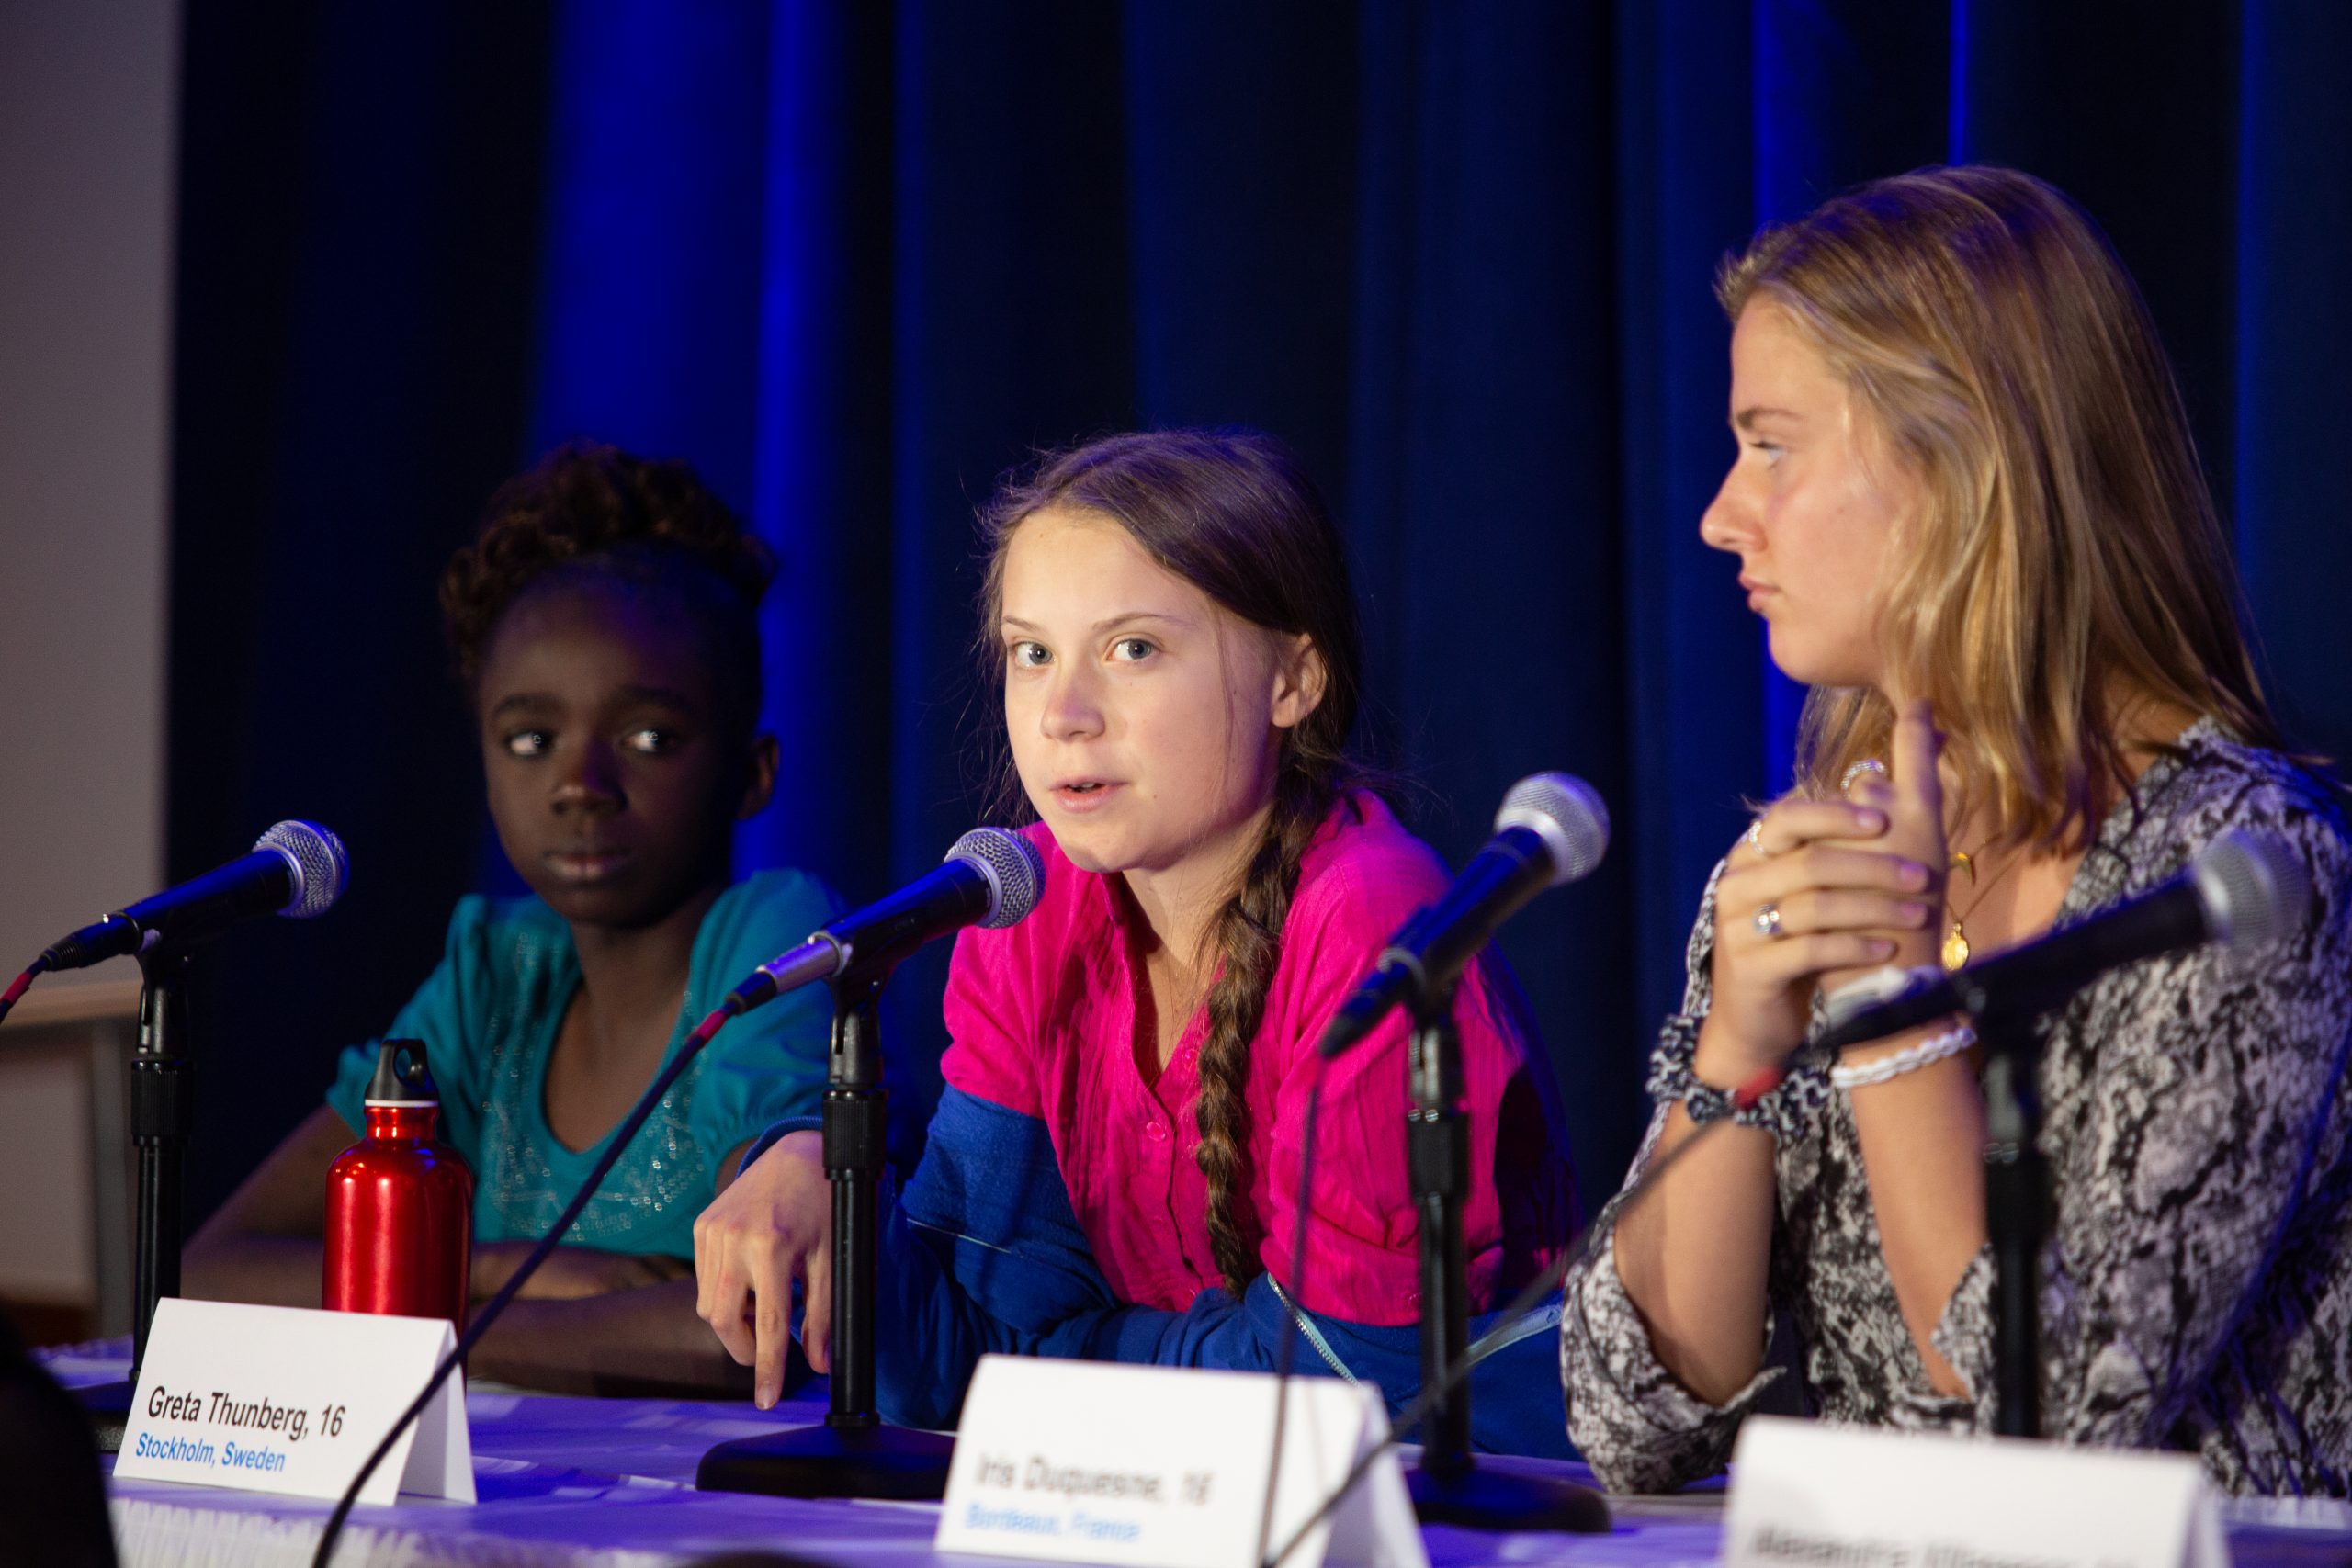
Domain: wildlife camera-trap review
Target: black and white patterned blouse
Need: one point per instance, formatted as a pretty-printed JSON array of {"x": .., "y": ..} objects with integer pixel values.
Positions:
[{"x": 2198, "y": 1280}]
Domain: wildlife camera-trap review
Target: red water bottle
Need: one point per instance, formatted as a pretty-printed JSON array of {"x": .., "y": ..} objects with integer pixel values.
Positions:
[{"x": 399, "y": 1206}]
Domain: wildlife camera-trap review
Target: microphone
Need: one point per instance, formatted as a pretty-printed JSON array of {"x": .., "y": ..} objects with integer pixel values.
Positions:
[
  {"x": 297, "y": 869},
  {"x": 2243, "y": 890},
  {"x": 1551, "y": 830},
  {"x": 991, "y": 878}
]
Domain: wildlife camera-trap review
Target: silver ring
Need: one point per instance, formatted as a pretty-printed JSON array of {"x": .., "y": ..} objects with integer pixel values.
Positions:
[
  {"x": 1768, "y": 921},
  {"x": 1866, "y": 765},
  {"x": 1755, "y": 837}
]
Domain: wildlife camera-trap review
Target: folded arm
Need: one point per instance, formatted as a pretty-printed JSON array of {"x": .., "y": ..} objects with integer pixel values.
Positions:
[{"x": 588, "y": 1322}]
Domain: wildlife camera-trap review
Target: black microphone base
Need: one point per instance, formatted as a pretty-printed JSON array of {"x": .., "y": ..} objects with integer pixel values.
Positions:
[
  {"x": 895, "y": 1462},
  {"x": 1486, "y": 1500},
  {"x": 107, "y": 1404}
]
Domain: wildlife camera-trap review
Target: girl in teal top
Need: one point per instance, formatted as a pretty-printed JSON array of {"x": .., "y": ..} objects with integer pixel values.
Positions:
[
  {"x": 492, "y": 1011},
  {"x": 606, "y": 629}
]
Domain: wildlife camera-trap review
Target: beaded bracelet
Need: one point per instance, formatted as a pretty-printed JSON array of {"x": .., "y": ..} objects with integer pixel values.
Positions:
[
  {"x": 1935, "y": 1048},
  {"x": 1784, "y": 1112}
]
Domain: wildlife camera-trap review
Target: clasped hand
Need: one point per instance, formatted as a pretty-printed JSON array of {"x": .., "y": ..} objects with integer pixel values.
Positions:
[
  {"x": 773, "y": 1223},
  {"x": 1818, "y": 893}
]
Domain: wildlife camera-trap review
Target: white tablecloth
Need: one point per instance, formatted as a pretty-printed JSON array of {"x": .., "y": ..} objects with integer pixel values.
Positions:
[{"x": 610, "y": 1482}]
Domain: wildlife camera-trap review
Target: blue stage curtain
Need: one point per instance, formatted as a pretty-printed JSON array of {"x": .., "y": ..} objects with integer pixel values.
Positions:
[{"x": 855, "y": 261}]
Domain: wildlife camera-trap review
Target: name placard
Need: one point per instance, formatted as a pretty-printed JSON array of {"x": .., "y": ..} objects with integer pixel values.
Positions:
[
  {"x": 1803, "y": 1493},
  {"x": 1160, "y": 1467},
  {"x": 291, "y": 1399}
]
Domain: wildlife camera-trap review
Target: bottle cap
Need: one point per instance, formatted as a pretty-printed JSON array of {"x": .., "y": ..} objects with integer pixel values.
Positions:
[{"x": 400, "y": 1076}]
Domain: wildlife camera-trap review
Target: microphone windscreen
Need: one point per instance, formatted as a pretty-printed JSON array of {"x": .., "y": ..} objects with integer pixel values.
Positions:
[
  {"x": 319, "y": 867},
  {"x": 1566, "y": 813},
  {"x": 1015, "y": 872},
  {"x": 2253, "y": 888}
]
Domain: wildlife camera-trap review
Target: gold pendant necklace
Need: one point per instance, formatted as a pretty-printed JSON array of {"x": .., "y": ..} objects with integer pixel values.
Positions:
[{"x": 1956, "y": 949}]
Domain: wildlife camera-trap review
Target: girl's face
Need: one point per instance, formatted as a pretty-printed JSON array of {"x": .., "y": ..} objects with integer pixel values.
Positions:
[
  {"x": 1146, "y": 718},
  {"x": 613, "y": 779},
  {"x": 1810, "y": 505}
]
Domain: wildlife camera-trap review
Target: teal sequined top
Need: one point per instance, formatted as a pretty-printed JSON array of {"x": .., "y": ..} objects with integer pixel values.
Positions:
[{"x": 487, "y": 1015}]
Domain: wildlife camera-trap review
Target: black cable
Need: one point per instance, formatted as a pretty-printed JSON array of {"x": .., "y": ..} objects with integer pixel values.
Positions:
[
  {"x": 1519, "y": 1306},
  {"x": 539, "y": 1254},
  {"x": 1286, "y": 1343}
]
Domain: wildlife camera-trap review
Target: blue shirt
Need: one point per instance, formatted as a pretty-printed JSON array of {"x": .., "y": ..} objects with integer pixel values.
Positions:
[
  {"x": 487, "y": 1015},
  {"x": 984, "y": 1254}
]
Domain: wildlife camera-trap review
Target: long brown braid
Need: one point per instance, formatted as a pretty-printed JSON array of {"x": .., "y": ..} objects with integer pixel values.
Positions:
[
  {"x": 1248, "y": 935},
  {"x": 1231, "y": 512}
]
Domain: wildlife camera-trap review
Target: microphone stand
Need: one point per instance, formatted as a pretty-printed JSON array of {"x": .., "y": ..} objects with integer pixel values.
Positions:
[
  {"x": 162, "y": 1112},
  {"x": 855, "y": 1453},
  {"x": 2017, "y": 1204},
  {"x": 1448, "y": 1487},
  {"x": 161, "y": 1109}
]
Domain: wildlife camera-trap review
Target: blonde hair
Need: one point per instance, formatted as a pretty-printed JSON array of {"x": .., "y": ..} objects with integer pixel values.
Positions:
[{"x": 2066, "y": 562}]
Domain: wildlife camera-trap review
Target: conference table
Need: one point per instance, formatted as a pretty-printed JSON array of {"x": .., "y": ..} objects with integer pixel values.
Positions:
[{"x": 609, "y": 1483}]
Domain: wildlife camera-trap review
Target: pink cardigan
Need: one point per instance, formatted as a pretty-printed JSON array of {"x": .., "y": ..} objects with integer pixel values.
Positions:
[{"x": 1042, "y": 1017}]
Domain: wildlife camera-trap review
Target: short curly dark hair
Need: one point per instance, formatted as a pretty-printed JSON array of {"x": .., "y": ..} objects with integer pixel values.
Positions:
[{"x": 650, "y": 524}]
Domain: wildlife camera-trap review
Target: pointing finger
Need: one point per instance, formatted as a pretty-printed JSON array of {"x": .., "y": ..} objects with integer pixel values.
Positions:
[
  {"x": 771, "y": 1333},
  {"x": 1917, "y": 744},
  {"x": 725, "y": 1303}
]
